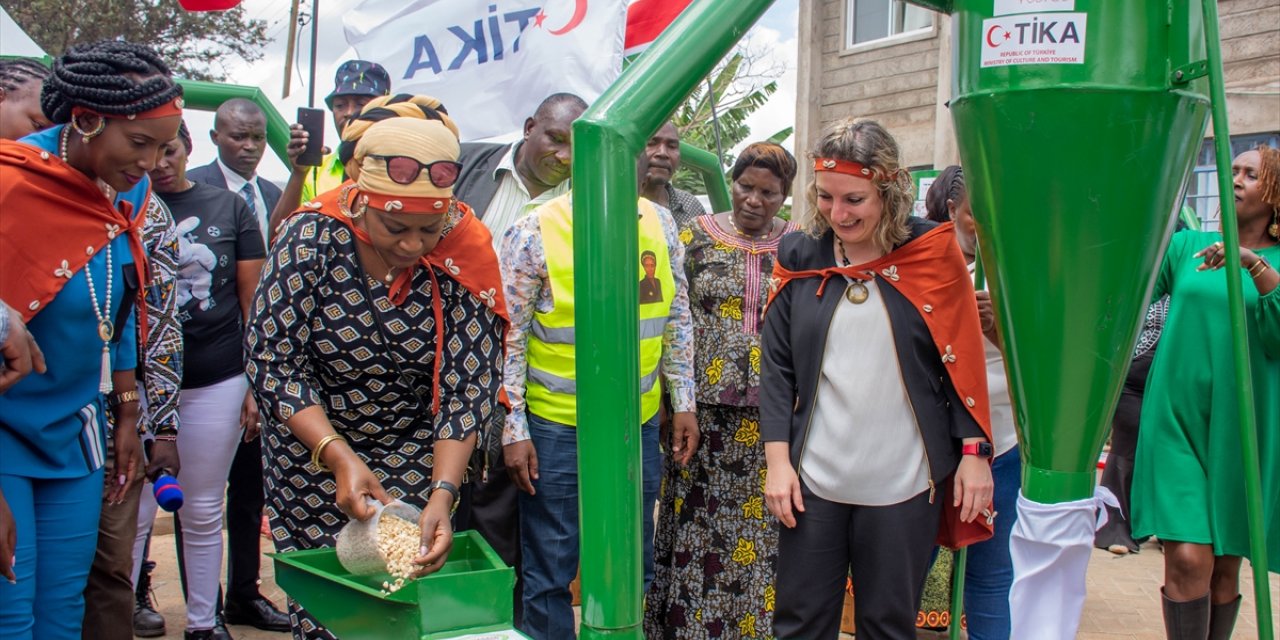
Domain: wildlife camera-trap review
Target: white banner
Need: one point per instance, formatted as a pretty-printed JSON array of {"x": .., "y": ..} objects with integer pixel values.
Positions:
[{"x": 492, "y": 62}]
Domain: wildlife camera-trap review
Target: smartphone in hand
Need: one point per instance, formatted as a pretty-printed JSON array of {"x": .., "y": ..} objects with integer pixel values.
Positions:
[{"x": 312, "y": 120}]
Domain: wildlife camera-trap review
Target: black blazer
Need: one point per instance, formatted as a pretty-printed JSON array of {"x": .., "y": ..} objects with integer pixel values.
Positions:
[
  {"x": 794, "y": 338},
  {"x": 476, "y": 185},
  {"x": 211, "y": 174}
]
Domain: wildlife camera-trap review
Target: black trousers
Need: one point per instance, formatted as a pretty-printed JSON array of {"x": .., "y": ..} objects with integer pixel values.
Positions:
[
  {"x": 1118, "y": 474},
  {"x": 245, "y": 499},
  {"x": 887, "y": 551},
  {"x": 490, "y": 507}
]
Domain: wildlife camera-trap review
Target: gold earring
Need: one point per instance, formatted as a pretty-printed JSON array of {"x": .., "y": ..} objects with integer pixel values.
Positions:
[
  {"x": 85, "y": 136},
  {"x": 1274, "y": 229}
]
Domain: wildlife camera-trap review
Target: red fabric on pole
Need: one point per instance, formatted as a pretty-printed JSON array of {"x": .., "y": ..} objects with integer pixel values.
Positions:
[
  {"x": 646, "y": 20},
  {"x": 208, "y": 5}
]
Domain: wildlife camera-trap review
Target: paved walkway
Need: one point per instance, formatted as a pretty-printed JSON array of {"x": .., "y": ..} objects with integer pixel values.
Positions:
[{"x": 1123, "y": 601}]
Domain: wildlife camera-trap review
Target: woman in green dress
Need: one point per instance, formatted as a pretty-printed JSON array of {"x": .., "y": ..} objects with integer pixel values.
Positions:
[{"x": 1188, "y": 486}]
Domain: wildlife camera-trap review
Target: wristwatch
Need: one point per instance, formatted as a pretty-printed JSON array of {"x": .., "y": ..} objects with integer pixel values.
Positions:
[
  {"x": 447, "y": 486},
  {"x": 980, "y": 449}
]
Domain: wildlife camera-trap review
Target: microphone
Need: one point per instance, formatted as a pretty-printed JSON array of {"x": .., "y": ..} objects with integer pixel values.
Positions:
[{"x": 167, "y": 491}]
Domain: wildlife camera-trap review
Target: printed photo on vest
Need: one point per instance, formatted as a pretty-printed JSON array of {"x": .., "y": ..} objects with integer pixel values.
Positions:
[{"x": 650, "y": 285}]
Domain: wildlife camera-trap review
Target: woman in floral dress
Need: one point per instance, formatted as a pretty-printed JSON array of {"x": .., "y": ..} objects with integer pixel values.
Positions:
[{"x": 716, "y": 543}]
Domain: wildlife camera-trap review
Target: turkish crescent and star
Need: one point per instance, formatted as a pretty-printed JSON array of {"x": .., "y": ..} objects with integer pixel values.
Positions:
[{"x": 579, "y": 13}]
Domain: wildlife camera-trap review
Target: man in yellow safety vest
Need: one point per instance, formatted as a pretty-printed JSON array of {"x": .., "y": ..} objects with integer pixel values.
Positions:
[{"x": 540, "y": 439}]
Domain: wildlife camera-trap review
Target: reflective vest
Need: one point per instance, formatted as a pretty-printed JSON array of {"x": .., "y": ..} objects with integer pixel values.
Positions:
[{"x": 551, "y": 384}]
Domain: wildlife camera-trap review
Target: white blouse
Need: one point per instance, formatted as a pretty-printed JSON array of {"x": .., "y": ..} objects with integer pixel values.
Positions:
[{"x": 864, "y": 446}]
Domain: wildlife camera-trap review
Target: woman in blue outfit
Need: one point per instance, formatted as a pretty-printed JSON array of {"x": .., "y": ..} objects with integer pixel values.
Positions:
[{"x": 72, "y": 263}]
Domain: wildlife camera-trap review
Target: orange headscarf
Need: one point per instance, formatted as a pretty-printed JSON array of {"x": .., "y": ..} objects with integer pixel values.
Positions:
[
  {"x": 55, "y": 220},
  {"x": 930, "y": 272},
  {"x": 464, "y": 254}
]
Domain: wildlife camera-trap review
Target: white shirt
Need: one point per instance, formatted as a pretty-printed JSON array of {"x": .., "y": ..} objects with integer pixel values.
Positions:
[
  {"x": 511, "y": 201},
  {"x": 1003, "y": 432},
  {"x": 236, "y": 182},
  {"x": 864, "y": 445}
]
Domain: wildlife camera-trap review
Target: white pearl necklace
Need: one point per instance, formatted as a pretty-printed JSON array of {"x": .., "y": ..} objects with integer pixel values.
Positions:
[{"x": 106, "y": 330}]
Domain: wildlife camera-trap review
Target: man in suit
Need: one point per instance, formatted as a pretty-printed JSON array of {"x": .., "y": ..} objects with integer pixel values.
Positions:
[{"x": 240, "y": 133}]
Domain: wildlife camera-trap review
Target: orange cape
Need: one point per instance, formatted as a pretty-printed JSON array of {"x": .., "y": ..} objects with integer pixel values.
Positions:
[
  {"x": 930, "y": 272},
  {"x": 54, "y": 220},
  {"x": 464, "y": 254}
]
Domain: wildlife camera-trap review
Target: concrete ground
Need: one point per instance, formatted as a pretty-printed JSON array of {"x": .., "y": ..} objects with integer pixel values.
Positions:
[{"x": 1123, "y": 598}]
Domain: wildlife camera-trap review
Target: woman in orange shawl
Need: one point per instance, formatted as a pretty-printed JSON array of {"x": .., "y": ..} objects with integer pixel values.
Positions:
[{"x": 873, "y": 401}]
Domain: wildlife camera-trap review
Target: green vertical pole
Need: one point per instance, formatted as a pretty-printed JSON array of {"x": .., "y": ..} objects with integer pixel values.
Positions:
[
  {"x": 1239, "y": 329},
  {"x": 606, "y": 140},
  {"x": 961, "y": 558}
]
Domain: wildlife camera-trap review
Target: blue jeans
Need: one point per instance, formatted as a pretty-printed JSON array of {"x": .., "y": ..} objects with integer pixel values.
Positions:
[
  {"x": 549, "y": 525},
  {"x": 989, "y": 572},
  {"x": 57, "y": 521}
]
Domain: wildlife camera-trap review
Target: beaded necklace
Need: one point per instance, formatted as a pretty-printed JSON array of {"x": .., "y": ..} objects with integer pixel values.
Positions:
[{"x": 106, "y": 330}]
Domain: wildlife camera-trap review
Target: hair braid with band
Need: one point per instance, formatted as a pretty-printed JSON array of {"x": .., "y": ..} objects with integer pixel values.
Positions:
[
  {"x": 93, "y": 76},
  {"x": 18, "y": 72}
]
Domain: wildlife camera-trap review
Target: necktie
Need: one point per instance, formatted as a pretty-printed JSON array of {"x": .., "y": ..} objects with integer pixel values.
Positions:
[{"x": 246, "y": 192}]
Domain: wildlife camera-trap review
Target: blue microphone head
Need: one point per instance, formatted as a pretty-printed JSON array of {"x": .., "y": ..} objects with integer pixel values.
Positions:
[{"x": 168, "y": 492}]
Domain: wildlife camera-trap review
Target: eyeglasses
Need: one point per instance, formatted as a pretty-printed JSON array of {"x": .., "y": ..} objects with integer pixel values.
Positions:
[{"x": 404, "y": 170}]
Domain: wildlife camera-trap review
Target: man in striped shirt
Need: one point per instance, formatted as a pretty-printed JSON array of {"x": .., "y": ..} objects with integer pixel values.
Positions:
[{"x": 503, "y": 182}]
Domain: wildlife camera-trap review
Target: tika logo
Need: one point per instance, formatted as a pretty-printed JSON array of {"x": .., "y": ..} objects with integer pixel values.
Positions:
[
  {"x": 1034, "y": 32},
  {"x": 485, "y": 38},
  {"x": 1042, "y": 38}
]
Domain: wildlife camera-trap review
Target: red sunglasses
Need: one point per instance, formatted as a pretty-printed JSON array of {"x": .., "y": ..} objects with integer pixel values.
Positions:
[{"x": 404, "y": 170}]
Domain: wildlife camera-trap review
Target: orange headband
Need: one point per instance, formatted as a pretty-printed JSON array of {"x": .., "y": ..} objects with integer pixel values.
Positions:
[
  {"x": 843, "y": 166},
  {"x": 170, "y": 108},
  {"x": 399, "y": 204}
]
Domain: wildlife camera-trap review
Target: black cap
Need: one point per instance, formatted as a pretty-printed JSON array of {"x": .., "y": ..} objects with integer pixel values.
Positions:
[{"x": 359, "y": 78}]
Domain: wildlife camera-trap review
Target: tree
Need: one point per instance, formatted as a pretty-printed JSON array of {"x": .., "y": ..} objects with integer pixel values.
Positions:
[
  {"x": 194, "y": 44},
  {"x": 740, "y": 85}
]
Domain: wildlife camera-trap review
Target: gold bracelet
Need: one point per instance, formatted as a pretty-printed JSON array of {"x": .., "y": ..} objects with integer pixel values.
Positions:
[
  {"x": 315, "y": 453},
  {"x": 122, "y": 397},
  {"x": 1259, "y": 271}
]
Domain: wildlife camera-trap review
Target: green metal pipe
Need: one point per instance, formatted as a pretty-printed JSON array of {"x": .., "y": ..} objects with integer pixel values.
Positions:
[
  {"x": 208, "y": 96},
  {"x": 707, "y": 165},
  {"x": 607, "y": 139},
  {"x": 1239, "y": 329},
  {"x": 959, "y": 559}
]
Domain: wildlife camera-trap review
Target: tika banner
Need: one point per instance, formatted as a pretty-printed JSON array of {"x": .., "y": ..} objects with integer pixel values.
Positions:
[{"x": 491, "y": 63}]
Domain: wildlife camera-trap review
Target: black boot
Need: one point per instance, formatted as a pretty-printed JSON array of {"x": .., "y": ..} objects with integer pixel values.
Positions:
[
  {"x": 1222, "y": 619},
  {"x": 1186, "y": 620},
  {"x": 147, "y": 622}
]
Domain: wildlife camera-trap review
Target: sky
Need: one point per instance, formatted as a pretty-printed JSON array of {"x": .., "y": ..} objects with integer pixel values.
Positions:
[{"x": 775, "y": 32}]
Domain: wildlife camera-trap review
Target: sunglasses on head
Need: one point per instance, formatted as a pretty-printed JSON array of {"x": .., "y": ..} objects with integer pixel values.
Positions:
[{"x": 404, "y": 170}]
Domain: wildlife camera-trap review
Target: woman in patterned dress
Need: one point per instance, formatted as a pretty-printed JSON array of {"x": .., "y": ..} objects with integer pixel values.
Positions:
[
  {"x": 374, "y": 346},
  {"x": 716, "y": 543}
]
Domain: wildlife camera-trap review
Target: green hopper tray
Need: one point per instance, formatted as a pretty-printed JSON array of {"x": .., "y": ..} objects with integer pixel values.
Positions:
[{"x": 470, "y": 594}]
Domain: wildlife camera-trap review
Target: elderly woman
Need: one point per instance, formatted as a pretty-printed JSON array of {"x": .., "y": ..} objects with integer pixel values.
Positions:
[
  {"x": 873, "y": 400},
  {"x": 375, "y": 345},
  {"x": 78, "y": 273},
  {"x": 716, "y": 548},
  {"x": 1188, "y": 484}
]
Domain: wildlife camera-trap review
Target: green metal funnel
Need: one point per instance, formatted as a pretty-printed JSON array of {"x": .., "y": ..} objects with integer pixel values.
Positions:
[{"x": 1077, "y": 127}]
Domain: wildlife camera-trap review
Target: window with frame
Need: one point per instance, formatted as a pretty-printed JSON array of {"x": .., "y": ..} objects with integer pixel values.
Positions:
[{"x": 871, "y": 20}]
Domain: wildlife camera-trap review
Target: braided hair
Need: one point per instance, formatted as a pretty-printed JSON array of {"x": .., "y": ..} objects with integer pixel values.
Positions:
[
  {"x": 93, "y": 76},
  {"x": 949, "y": 185},
  {"x": 16, "y": 73}
]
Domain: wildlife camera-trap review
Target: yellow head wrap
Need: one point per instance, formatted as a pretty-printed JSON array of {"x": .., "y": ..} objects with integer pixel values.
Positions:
[
  {"x": 382, "y": 108},
  {"x": 426, "y": 141}
]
